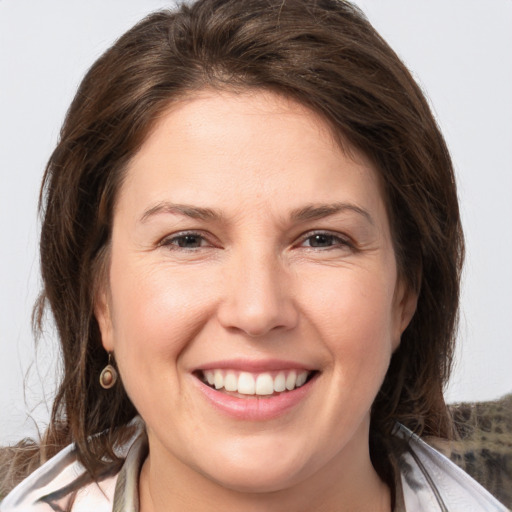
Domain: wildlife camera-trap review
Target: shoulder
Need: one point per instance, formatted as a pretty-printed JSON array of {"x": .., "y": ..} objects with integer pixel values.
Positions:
[
  {"x": 62, "y": 483},
  {"x": 57, "y": 484},
  {"x": 430, "y": 481}
]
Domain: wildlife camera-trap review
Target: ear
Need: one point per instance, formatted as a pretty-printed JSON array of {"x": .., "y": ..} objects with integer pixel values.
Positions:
[
  {"x": 406, "y": 300},
  {"x": 102, "y": 312}
]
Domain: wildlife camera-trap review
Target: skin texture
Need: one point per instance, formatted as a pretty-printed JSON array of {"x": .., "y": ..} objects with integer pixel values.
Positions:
[{"x": 252, "y": 286}]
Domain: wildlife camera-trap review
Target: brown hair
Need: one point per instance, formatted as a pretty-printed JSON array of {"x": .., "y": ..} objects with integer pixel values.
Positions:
[{"x": 323, "y": 53}]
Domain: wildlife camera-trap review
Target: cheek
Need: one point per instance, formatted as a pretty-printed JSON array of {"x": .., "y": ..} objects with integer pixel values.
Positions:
[
  {"x": 351, "y": 304},
  {"x": 353, "y": 316},
  {"x": 156, "y": 312}
]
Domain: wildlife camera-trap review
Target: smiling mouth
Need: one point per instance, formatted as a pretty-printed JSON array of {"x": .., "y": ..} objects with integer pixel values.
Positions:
[{"x": 247, "y": 384}]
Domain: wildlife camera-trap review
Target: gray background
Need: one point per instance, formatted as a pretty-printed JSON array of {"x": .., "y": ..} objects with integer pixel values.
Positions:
[{"x": 459, "y": 51}]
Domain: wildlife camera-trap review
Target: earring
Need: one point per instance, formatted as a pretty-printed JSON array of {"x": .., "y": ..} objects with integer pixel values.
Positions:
[{"x": 108, "y": 376}]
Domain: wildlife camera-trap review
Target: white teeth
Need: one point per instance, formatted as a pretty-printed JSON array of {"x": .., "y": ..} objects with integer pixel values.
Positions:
[
  {"x": 219, "y": 380},
  {"x": 230, "y": 382},
  {"x": 247, "y": 383},
  {"x": 210, "y": 377},
  {"x": 291, "y": 380},
  {"x": 280, "y": 382},
  {"x": 301, "y": 379},
  {"x": 264, "y": 384}
]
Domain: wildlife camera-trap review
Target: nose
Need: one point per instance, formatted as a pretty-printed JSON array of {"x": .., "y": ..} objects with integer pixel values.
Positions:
[{"x": 258, "y": 296}]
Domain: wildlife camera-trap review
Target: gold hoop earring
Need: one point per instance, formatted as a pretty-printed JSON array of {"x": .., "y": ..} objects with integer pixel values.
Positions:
[{"x": 108, "y": 376}]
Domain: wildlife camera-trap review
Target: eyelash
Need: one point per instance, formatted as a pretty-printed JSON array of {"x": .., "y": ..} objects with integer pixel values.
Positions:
[
  {"x": 339, "y": 241},
  {"x": 172, "y": 242}
]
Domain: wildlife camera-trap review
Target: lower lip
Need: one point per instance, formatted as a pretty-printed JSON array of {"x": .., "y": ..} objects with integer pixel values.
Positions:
[{"x": 254, "y": 408}]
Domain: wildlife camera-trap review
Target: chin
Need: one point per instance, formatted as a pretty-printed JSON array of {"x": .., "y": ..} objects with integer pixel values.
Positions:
[
  {"x": 257, "y": 471},
  {"x": 255, "y": 480}
]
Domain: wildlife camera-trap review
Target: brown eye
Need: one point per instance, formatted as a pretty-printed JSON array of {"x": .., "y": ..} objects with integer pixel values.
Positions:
[
  {"x": 185, "y": 241},
  {"x": 188, "y": 241},
  {"x": 322, "y": 240},
  {"x": 327, "y": 240}
]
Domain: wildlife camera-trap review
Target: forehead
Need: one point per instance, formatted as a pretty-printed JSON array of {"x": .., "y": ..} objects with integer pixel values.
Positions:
[{"x": 235, "y": 149}]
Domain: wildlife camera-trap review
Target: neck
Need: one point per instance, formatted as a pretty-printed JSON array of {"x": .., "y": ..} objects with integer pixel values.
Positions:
[{"x": 346, "y": 483}]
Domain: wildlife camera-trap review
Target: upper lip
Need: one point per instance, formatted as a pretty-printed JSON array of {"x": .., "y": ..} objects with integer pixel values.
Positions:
[{"x": 255, "y": 366}]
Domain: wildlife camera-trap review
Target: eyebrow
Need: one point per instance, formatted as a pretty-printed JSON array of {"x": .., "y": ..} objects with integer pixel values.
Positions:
[
  {"x": 186, "y": 210},
  {"x": 303, "y": 214},
  {"x": 312, "y": 212}
]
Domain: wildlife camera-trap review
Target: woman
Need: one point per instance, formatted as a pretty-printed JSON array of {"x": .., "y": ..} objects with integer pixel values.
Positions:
[{"x": 252, "y": 248}]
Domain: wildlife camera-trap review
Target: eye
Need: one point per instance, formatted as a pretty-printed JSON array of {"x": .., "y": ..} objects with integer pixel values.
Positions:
[
  {"x": 324, "y": 240},
  {"x": 185, "y": 241}
]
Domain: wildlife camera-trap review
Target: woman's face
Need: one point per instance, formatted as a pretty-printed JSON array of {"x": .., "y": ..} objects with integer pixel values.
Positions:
[{"x": 250, "y": 251}]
